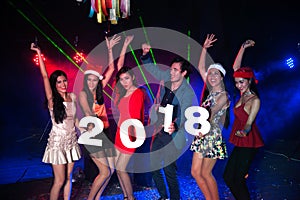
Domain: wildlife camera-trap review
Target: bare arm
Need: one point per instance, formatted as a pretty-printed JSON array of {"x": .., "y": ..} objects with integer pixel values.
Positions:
[
  {"x": 253, "y": 110},
  {"x": 255, "y": 105},
  {"x": 210, "y": 39},
  {"x": 45, "y": 77},
  {"x": 110, "y": 44},
  {"x": 84, "y": 104},
  {"x": 76, "y": 120},
  {"x": 238, "y": 60},
  {"x": 81, "y": 129},
  {"x": 121, "y": 59}
]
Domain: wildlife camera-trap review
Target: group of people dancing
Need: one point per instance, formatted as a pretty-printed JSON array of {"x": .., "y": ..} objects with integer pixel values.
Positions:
[{"x": 168, "y": 141}]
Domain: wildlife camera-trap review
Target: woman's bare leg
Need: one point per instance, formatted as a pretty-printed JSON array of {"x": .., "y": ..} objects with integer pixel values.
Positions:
[
  {"x": 124, "y": 179},
  {"x": 101, "y": 178}
]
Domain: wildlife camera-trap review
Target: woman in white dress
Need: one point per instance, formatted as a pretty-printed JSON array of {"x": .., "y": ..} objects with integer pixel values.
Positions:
[{"x": 62, "y": 148}]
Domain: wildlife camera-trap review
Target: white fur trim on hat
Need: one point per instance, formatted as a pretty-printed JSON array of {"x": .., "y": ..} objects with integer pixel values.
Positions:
[
  {"x": 217, "y": 66},
  {"x": 94, "y": 73}
]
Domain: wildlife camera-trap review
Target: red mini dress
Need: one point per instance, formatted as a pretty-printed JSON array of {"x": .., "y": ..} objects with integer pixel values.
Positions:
[
  {"x": 253, "y": 139},
  {"x": 130, "y": 107}
]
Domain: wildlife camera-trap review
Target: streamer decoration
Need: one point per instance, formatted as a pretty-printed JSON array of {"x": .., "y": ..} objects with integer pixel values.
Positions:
[{"x": 110, "y": 10}]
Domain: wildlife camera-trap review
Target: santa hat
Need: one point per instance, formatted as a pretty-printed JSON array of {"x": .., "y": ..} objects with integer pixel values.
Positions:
[{"x": 95, "y": 70}]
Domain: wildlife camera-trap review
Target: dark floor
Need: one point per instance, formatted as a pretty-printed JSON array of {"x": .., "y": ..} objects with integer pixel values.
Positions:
[{"x": 274, "y": 175}]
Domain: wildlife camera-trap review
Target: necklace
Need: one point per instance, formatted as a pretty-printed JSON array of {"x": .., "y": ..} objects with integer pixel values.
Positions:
[
  {"x": 216, "y": 93},
  {"x": 245, "y": 96},
  {"x": 211, "y": 99},
  {"x": 247, "y": 93}
]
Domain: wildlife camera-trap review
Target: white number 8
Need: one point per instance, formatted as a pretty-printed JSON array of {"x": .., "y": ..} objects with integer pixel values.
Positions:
[{"x": 191, "y": 120}]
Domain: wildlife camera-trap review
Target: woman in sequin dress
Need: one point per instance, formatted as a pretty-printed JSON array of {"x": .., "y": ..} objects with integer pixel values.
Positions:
[
  {"x": 209, "y": 147},
  {"x": 62, "y": 148}
]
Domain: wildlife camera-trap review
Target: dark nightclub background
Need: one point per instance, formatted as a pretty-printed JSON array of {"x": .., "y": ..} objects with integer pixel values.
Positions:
[{"x": 273, "y": 25}]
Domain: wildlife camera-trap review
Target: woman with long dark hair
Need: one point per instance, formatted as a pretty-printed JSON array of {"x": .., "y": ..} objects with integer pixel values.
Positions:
[
  {"x": 245, "y": 135},
  {"x": 92, "y": 103},
  {"x": 209, "y": 147},
  {"x": 62, "y": 147}
]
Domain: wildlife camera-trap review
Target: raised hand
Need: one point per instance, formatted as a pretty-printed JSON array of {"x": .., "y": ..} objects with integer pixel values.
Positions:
[
  {"x": 113, "y": 41},
  {"x": 210, "y": 39},
  {"x": 248, "y": 43},
  {"x": 35, "y": 48},
  {"x": 146, "y": 48},
  {"x": 128, "y": 39}
]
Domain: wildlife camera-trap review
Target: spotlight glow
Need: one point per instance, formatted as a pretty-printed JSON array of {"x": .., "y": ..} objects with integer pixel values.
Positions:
[
  {"x": 290, "y": 62},
  {"x": 79, "y": 57}
]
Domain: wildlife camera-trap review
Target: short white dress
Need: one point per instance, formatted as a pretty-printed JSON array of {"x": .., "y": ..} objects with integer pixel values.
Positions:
[{"x": 62, "y": 146}]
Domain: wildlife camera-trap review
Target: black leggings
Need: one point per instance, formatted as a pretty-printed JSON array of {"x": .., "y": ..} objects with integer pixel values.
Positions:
[{"x": 236, "y": 169}]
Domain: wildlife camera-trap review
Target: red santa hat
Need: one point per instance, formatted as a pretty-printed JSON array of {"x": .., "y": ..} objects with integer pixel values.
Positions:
[{"x": 95, "y": 70}]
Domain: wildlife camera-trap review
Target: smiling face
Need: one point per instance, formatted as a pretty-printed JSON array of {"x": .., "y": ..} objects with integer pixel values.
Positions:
[
  {"x": 176, "y": 74},
  {"x": 61, "y": 84},
  {"x": 242, "y": 84},
  {"x": 126, "y": 80},
  {"x": 92, "y": 82},
  {"x": 214, "y": 77}
]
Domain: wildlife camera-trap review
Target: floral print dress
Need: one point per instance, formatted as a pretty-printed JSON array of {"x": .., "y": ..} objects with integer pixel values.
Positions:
[{"x": 212, "y": 145}]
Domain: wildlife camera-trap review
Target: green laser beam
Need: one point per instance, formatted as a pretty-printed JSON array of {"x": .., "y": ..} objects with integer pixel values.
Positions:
[
  {"x": 49, "y": 39},
  {"x": 147, "y": 39},
  {"x": 140, "y": 68},
  {"x": 107, "y": 95},
  {"x": 189, "y": 52},
  {"x": 44, "y": 34},
  {"x": 55, "y": 29}
]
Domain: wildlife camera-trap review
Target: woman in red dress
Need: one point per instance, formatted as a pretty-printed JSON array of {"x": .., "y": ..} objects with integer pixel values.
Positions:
[
  {"x": 130, "y": 102},
  {"x": 245, "y": 135}
]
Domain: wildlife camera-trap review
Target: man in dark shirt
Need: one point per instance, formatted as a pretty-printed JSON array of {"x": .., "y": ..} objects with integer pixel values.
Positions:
[{"x": 167, "y": 145}]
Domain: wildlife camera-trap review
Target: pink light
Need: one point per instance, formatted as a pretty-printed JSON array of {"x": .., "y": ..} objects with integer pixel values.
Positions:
[
  {"x": 78, "y": 57},
  {"x": 36, "y": 59}
]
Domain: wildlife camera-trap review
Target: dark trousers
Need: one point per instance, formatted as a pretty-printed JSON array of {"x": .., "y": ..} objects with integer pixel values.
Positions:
[
  {"x": 236, "y": 169},
  {"x": 163, "y": 160}
]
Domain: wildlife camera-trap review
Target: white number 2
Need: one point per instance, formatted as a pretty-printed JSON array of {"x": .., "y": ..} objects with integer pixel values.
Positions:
[{"x": 86, "y": 137}]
